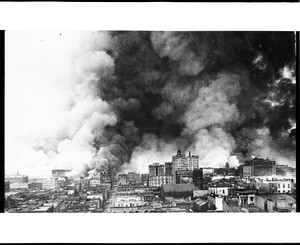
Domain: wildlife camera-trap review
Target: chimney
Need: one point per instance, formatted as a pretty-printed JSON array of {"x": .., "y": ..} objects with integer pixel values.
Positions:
[{"x": 189, "y": 153}]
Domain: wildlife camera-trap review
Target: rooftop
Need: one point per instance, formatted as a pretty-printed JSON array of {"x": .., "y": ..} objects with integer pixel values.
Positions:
[
  {"x": 178, "y": 187},
  {"x": 278, "y": 197}
]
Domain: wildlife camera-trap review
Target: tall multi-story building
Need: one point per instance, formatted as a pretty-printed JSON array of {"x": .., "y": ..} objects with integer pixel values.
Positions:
[
  {"x": 247, "y": 171},
  {"x": 198, "y": 178},
  {"x": 168, "y": 168},
  {"x": 156, "y": 169},
  {"x": 259, "y": 167},
  {"x": 158, "y": 176},
  {"x": 158, "y": 181},
  {"x": 145, "y": 179},
  {"x": 183, "y": 174},
  {"x": 49, "y": 183},
  {"x": 122, "y": 178},
  {"x": 180, "y": 162},
  {"x": 192, "y": 162}
]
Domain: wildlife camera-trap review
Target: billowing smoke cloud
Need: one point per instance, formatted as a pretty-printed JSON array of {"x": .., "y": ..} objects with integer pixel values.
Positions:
[
  {"x": 87, "y": 116},
  {"x": 139, "y": 96}
]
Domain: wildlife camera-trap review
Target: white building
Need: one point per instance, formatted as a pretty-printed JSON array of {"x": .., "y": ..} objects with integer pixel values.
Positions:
[
  {"x": 219, "y": 190},
  {"x": 208, "y": 171},
  {"x": 49, "y": 183},
  {"x": 17, "y": 185},
  {"x": 158, "y": 181},
  {"x": 180, "y": 162},
  {"x": 284, "y": 186},
  {"x": 128, "y": 201},
  {"x": 192, "y": 162}
]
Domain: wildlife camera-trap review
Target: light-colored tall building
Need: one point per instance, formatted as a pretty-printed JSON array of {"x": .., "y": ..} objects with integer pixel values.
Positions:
[
  {"x": 192, "y": 162},
  {"x": 49, "y": 183},
  {"x": 158, "y": 181},
  {"x": 180, "y": 162}
]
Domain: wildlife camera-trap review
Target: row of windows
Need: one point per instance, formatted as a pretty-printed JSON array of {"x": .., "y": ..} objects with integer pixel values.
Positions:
[
  {"x": 283, "y": 191},
  {"x": 283, "y": 185},
  {"x": 130, "y": 205}
]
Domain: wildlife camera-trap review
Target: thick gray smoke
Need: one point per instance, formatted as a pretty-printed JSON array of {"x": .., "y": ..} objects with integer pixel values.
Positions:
[{"x": 142, "y": 95}]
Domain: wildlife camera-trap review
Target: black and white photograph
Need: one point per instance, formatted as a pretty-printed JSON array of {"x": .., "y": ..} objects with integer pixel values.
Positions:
[{"x": 150, "y": 121}]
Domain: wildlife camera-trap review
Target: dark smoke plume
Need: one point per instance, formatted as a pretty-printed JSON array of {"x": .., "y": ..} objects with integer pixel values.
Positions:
[{"x": 216, "y": 93}]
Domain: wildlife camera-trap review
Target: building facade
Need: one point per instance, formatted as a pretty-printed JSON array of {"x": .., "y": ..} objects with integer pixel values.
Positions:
[
  {"x": 259, "y": 167},
  {"x": 17, "y": 185},
  {"x": 49, "y": 183},
  {"x": 192, "y": 162},
  {"x": 284, "y": 187},
  {"x": 17, "y": 178},
  {"x": 180, "y": 162},
  {"x": 220, "y": 190},
  {"x": 198, "y": 178},
  {"x": 145, "y": 179},
  {"x": 158, "y": 181},
  {"x": 156, "y": 169},
  {"x": 122, "y": 178},
  {"x": 168, "y": 168}
]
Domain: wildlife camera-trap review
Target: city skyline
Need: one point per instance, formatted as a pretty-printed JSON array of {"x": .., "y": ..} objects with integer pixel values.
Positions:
[{"x": 150, "y": 121}]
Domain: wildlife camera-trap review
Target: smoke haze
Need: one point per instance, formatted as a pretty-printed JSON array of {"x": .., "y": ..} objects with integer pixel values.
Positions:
[{"x": 128, "y": 99}]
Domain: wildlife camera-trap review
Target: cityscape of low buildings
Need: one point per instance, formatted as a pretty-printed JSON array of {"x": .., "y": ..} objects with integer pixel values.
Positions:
[{"x": 180, "y": 185}]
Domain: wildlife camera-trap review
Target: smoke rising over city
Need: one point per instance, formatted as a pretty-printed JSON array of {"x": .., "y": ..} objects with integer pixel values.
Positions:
[{"x": 134, "y": 98}]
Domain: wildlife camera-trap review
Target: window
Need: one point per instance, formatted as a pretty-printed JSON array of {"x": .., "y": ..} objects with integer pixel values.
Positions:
[
  {"x": 288, "y": 185},
  {"x": 283, "y": 185}
]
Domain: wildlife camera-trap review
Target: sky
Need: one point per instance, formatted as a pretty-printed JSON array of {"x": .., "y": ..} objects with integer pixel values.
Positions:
[{"x": 37, "y": 91}]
